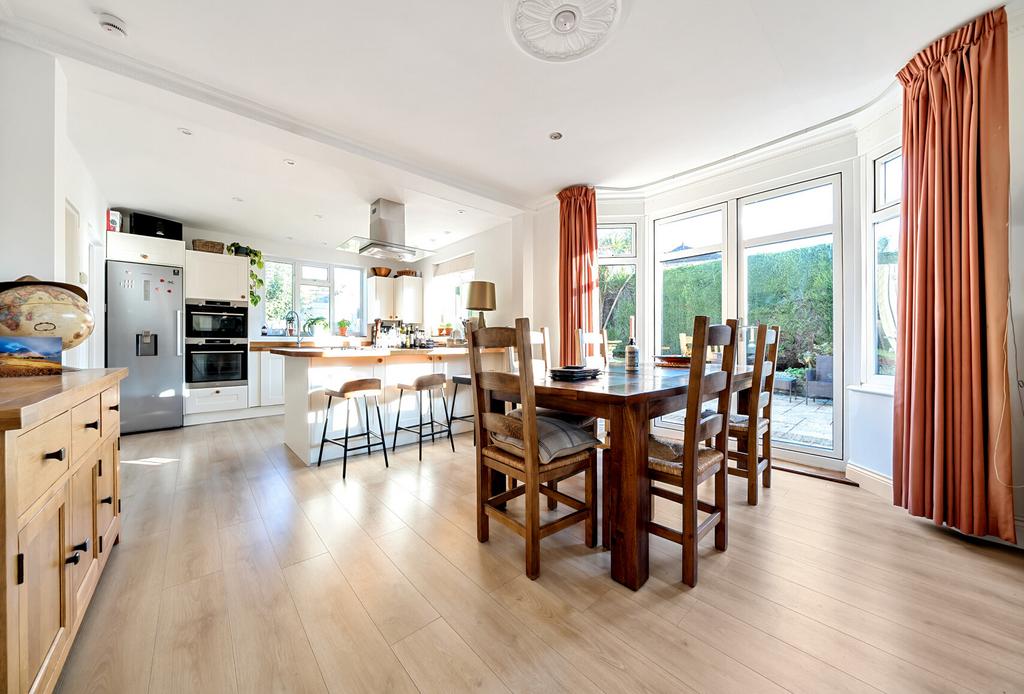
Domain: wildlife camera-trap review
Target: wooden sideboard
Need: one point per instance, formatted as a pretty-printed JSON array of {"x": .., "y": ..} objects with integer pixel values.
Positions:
[{"x": 61, "y": 514}]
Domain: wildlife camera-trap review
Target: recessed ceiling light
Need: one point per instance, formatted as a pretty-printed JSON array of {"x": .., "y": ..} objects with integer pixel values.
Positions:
[
  {"x": 112, "y": 24},
  {"x": 289, "y": 162},
  {"x": 318, "y": 216},
  {"x": 184, "y": 131},
  {"x": 323, "y": 243},
  {"x": 555, "y": 135},
  {"x": 461, "y": 211},
  {"x": 237, "y": 199},
  {"x": 290, "y": 238},
  {"x": 448, "y": 231}
]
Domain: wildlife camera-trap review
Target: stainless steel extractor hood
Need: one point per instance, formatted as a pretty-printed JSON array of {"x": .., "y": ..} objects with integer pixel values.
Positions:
[{"x": 386, "y": 240}]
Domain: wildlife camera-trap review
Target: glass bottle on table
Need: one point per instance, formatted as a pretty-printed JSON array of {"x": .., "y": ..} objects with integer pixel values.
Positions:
[{"x": 632, "y": 351}]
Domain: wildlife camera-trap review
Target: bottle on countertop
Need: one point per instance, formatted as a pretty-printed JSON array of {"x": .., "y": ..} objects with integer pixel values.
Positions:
[
  {"x": 632, "y": 351},
  {"x": 263, "y": 331}
]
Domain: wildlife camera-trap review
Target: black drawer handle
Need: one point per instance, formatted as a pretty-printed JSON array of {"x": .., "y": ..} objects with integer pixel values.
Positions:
[
  {"x": 107, "y": 500},
  {"x": 82, "y": 546},
  {"x": 73, "y": 559},
  {"x": 56, "y": 455},
  {"x": 93, "y": 425},
  {"x": 115, "y": 408}
]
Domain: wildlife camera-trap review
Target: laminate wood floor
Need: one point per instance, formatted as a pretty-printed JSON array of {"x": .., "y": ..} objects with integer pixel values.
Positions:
[{"x": 242, "y": 570}]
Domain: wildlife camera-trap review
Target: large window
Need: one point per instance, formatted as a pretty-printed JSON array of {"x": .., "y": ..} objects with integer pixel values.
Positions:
[
  {"x": 616, "y": 280},
  {"x": 688, "y": 252},
  {"x": 771, "y": 256},
  {"x": 885, "y": 232},
  {"x": 331, "y": 292},
  {"x": 787, "y": 277}
]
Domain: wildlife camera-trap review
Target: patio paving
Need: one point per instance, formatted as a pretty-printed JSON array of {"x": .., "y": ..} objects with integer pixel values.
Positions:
[{"x": 794, "y": 421}]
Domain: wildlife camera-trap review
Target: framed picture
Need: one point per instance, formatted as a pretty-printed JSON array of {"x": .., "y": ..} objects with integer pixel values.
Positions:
[{"x": 29, "y": 356}]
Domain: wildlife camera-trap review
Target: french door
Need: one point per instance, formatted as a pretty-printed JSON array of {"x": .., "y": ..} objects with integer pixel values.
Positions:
[{"x": 771, "y": 257}]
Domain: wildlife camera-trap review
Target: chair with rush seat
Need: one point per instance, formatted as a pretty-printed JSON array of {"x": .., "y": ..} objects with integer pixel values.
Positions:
[
  {"x": 689, "y": 463},
  {"x": 530, "y": 449},
  {"x": 428, "y": 384},
  {"x": 364, "y": 388}
]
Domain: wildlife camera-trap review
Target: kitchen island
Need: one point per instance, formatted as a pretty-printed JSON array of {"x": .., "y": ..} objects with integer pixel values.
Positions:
[{"x": 309, "y": 371}]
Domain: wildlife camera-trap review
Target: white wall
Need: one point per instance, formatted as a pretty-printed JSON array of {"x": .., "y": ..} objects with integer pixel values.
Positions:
[
  {"x": 32, "y": 114},
  {"x": 502, "y": 255},
  {"x": 40, "y": 171},
  {"x": 1016, "y": 347},
  {"x": 544, "y": 267}
]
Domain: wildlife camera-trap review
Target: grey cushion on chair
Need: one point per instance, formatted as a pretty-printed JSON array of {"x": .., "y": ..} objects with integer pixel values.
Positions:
[{"x": 555, "y": 439}]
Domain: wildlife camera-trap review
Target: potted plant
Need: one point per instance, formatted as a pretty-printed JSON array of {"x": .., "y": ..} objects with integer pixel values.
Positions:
[
  {"x": 343, "y": 327},
  {"x": 447, "y": 328},
  {"x": 255, "y": 263},
  {"x": 316, "y": 326}
]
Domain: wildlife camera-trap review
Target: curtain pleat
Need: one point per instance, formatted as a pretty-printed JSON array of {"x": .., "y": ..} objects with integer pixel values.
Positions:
[
  {"x": 951, "y": 428},
  {"x": 577, "y": 267}
]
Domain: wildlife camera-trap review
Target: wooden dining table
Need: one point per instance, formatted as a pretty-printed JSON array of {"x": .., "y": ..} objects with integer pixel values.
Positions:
[{"x": 628, "y": 401}]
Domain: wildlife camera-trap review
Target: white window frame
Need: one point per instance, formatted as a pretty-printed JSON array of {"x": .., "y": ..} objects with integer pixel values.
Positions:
[
  {"x": 631, "y": 260},
  {"x": 656, "y": 261},
  {"x": 298, "y": 281},
  {"x": 877, "y": 212},
  {"x": 847, "y": 216}
]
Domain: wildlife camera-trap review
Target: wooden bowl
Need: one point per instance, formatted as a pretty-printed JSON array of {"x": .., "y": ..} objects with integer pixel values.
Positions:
[
  {"x": 380, "y": 271},
  {"x": 405, "y": 273}
]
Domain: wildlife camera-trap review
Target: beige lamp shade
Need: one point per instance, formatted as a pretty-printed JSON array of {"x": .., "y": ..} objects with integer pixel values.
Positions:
[{"x": 480, "y": 296}]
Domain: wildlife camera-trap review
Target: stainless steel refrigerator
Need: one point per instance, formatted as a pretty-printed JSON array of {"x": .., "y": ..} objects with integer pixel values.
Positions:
[{"x": 144, "y": 333}]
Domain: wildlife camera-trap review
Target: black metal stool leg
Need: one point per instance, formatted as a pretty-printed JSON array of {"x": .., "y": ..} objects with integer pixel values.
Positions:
[
  {"x": 323, "y": 439},
  {"x": 398, "y": 418},
  {"x": 366, "y": 413},
  {"x": 344, "y": 459},
  {"x": 444, "y": 401},
  {"x": 430, "y": 402},
  {"x": 380, "y": 423},
  {"x": 419, "y": 401}
]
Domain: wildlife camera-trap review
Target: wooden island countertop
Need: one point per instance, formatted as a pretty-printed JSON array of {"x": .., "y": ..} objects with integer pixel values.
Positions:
[{"x": 26, "y": 401}]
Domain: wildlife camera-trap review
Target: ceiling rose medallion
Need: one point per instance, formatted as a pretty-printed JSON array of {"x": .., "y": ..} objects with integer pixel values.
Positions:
[{"x": 560, "y": 31}]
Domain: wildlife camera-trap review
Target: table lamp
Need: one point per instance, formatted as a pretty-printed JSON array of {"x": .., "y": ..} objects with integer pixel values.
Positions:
[{"x": 480, "y": 298}]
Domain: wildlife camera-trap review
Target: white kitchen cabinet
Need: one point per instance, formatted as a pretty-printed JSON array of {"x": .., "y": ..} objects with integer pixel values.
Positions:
[
  {"x": 409, "y": 299},
  {"x": 400, "y": 298},
  {"x": 135, "y": 248},
  {"x": 216, "y": 277},
  {"x": 380, "y": 298},
  {"x": 253, "y": 378},
  {"x": 271, "y": 379},
  {"x": 201, "y": 400}
]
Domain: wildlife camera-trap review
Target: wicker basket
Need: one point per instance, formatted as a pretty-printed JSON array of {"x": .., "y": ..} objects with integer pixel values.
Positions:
[
  {"x": 207, "y": 246},
  {"x": 405, "y": 273}
]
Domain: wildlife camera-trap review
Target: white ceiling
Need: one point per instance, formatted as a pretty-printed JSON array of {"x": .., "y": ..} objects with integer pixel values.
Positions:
[
  {"x": 439, "y": 89},
  {"x": 128, "y": 134}
]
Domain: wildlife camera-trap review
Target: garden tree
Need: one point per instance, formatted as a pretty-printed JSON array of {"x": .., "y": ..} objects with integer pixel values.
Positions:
[
  {"x": 793, "y": 288},
  {"x": 618, "y": 303},
  {"x": 691, "y": 287},
  {"x": 278, "y": 291}
]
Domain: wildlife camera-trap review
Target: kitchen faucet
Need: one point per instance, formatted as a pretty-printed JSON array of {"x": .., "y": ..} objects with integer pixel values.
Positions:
[{"x": 298, "y": 328}]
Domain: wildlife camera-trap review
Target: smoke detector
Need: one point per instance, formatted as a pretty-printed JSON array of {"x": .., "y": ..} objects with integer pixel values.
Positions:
[
  {"x": 559, "y": 31},
  {"x": 113, "y": 24}
]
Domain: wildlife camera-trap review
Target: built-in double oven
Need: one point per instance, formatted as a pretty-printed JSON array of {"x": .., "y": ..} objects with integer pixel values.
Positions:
[{"x": 216, "y": 344}]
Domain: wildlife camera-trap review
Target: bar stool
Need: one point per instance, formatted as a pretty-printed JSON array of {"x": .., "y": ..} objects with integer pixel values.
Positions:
[
  {"x": 461, "y": 381},
  {"x": 428, "y": 383},
  {"x": 363, "y": 387}
]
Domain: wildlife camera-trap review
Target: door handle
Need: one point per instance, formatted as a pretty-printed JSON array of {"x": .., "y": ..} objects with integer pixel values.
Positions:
[
  {"x": 73, "y": 559},
  {"x": 178, "y": 342},
  {"x": 115, "y": 408},
  {"x": 107, "y": 500},
  {"x": 82, "y": 546},
  {"x": 56, "y": 455},
  {"x": 93, "y": 425}
]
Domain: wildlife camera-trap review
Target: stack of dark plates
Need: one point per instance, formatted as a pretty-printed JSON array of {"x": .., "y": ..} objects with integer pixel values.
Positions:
[{"x": 574, "y": 373}]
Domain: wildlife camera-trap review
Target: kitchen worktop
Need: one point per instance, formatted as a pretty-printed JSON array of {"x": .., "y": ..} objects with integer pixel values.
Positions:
[{"x": 362, "y": 353}]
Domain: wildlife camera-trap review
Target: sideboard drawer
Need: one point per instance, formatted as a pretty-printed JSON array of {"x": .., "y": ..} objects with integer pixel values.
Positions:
[
  {"x": 110, "y": 404},
  {"x": 44, "y": 454},
  {"x": 85, "y": 426}
]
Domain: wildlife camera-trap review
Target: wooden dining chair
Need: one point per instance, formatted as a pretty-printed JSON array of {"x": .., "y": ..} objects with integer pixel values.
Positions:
[
  {"x": 689, "y": 463},
  {"x": 592, "y": 349},
  {"x": 756, "y": 426},
  {"x": 530, "y": 449}
]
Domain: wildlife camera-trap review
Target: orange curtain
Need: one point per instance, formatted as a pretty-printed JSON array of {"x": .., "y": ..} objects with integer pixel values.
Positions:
[
  {"x": 951, "y": 429},
  {"x": 577, "y": 266}
]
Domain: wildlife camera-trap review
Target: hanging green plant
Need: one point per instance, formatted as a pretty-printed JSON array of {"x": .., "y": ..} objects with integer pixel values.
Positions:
[{"x": 255, "y": 263}]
